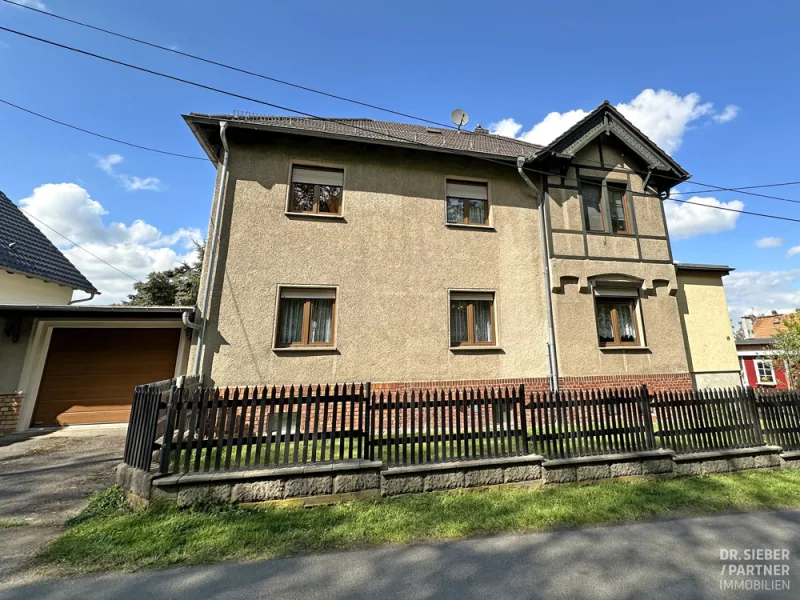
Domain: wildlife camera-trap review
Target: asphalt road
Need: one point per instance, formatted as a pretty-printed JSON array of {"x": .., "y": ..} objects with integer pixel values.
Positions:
[{"x": 666, "y": 559}]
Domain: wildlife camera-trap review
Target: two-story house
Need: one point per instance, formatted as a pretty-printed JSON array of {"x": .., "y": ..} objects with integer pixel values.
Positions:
[{"x": 405, "y": 255}]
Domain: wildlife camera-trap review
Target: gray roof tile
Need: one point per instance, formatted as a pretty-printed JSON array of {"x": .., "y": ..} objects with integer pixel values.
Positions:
[
  {"x": 389, "y": 131},
  {"x": 24, "y": 249}
]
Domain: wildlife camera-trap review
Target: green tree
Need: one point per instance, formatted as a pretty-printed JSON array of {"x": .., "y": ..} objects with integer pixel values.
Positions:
[
  {"x": 787, "y": 347},
  {"x": 174, "y": 287}
]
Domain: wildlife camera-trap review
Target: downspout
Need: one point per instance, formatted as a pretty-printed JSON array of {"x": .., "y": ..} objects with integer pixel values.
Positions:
[
  {"x": 223, "y": 126},
  {"x": 551, "y": 345},
  {"x": 91, "y": 295}
]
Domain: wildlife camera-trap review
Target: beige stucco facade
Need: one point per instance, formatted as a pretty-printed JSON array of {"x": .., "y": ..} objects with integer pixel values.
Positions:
[
  {"x": 393, "y": 261},
  {"x": 21, "y": 289},
  {"x": 708, "y": 335}
]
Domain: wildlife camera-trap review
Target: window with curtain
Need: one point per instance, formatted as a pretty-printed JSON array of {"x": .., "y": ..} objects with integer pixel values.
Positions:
[
  {"x": 472, "y": 319},
  {"x": 306, "y": 317},
  {"x": 616, "y": 321},
  {"x": 467, "y": 203},
  {"x": 316, "y": 190}
]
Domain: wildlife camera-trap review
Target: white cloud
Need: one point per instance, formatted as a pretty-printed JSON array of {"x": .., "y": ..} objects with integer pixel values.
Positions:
[
  {"x": 37, "y": 4},
  {"x": 729, "y": 113},
  {"x": 793, "y": 250},
  {"x": 769, "y": 242},
  {"x": 129, "y": 182},
  {"x": 761, "y": 292},
  {"x": 662, "y": 115},
  {"x": 136, "y": 249},
  {"x": 689, "y": 220}
]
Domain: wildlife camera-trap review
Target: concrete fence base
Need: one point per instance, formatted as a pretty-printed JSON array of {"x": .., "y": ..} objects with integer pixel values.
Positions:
[{"x": 358, "y": 479}]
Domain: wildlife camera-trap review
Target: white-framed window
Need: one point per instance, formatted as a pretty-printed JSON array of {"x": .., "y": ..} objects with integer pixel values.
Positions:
[{"x": 765, "y": 372}]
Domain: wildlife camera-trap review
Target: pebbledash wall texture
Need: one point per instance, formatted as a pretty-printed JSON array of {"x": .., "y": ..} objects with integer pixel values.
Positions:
[{"x": 10, "y": 405}]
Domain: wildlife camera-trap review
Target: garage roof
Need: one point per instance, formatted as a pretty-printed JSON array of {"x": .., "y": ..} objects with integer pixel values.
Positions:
[{"x": 88, "y": 311}]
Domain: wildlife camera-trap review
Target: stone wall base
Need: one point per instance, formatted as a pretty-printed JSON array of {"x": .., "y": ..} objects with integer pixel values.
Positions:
[{"x": 314, "y": 485}]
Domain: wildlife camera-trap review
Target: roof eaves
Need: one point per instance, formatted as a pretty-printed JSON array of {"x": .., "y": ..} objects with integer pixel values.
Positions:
[{"x": 703, "y": 267}]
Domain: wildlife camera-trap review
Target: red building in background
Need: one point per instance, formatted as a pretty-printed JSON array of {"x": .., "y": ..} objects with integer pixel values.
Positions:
[{"x": 756, "y": 353}]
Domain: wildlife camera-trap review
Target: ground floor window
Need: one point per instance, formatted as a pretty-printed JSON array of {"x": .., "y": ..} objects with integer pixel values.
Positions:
[
  {"x": 616, "y": 321},
  {"x": 765, "y": 372},
  {"x": 472, "y": 321},
  {"x": 306, "y": 317}
]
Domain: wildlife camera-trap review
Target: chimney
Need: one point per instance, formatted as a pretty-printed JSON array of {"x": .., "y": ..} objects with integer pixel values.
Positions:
[
  {"x": 774, "y": 313},
  {"x": 746, "y": 326},
  {"x": 480, "y": 129}
]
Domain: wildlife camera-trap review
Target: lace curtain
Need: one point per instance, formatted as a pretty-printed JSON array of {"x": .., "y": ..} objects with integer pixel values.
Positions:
[
  {"x": 291, "y": 320},
  {"x": 627, "y": 330},
  {"x": 458, "y": 322},
  {"x": 321, "y": 320},
  {"x": 605, "y": 325},
  {"x": 483, "y": 321}
]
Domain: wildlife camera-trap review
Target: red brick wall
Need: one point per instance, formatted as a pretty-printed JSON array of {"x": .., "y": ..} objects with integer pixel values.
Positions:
[{"x": 10, "y": 405}]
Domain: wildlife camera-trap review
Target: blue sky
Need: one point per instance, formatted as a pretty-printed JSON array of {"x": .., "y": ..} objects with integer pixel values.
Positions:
[{"x": 500, "y": 61}]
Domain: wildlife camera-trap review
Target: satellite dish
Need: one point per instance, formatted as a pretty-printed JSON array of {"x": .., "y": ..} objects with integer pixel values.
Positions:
[{"x": 460, "y": 118}]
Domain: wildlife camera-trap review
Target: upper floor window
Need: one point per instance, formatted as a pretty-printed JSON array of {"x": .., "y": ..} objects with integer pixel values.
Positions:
[
  {"x": 467, "y": 203},
  {"x": 472, "y": 319},
  {"x": 596, "y": 197},
  {"x": 306, "y": 317},
  {"x": 316, "y": 190}
]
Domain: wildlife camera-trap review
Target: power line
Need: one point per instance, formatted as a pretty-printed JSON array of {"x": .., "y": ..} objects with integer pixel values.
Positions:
[
  {"x": 350, "y": 100},
  {"x": 99, "y": 135},
  {"x": 228, "y": 66},
  {"x": 743, "y": 212},
  {"x": 78, "y": 245},
  {"x": 356, "y": 127}
]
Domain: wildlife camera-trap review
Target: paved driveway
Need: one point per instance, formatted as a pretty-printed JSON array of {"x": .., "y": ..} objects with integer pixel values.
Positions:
[{"x": 45, "y": 478}]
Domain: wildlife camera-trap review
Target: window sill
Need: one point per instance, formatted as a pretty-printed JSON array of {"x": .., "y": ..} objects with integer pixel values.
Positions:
[
  {"x": 329, "y": 349},
  {"x": 307, "y": 215},
  {"x": 476, "y": 349},
  {"x": 762, "y": 384},
  {"x": 469, "y": 226},
  {"x": 625, "y": 349}
]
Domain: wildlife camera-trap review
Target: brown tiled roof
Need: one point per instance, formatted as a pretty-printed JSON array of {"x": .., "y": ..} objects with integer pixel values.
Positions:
[
  {"x": 767, "y": 326},
  {"x": 389, "y": 131}
]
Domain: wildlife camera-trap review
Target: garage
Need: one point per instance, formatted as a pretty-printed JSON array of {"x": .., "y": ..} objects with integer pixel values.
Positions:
[
  {"x": 63, "y": 365},
  {"x": 90, "y": 374}
]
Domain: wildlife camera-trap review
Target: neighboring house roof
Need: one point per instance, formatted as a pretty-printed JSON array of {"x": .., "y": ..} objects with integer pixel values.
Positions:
[
  {"x": 724, "y": 269},
  {"x": 768, "y": 325},
  {"x": 754, "y": 342},
  {"x": 26, "y": 250},
  {"x": 383, "y": 132}
]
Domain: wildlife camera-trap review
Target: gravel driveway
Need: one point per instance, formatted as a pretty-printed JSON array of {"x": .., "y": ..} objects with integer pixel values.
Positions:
[{"x": 45, "y": 478}]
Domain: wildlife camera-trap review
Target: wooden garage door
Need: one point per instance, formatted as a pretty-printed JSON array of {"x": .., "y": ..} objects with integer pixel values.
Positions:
[{"x": 90, "y": 374}]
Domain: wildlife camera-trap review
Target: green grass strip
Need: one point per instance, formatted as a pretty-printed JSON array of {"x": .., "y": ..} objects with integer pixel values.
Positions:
[{"x": 112, "y": 536}]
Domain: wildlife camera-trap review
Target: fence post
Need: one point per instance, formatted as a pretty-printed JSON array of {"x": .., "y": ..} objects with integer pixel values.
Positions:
[
  {"x": 750, "y": 403},
  {"x": 523, "y": 418},
  {"x": 370, "y": 448},
  {"x": 647, "y": 413},
  {"x": 166, "y": 445}
]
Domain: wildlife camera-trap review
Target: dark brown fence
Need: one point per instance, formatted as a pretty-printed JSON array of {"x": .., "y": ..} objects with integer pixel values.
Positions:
[
  {"x": 148, "y": 401},
  {"x": 568, "y": 424},
  {"x": 694, "y": 421},
  {"x": 430, "y": 426},
  {"x": 232, "y": 428},
  {"x": 780, "y": 417}
]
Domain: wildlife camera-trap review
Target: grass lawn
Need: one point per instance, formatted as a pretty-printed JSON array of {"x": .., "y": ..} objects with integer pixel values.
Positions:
[
  {"x": 10, "y": 524},
  {"x": 108, "y": 535}
]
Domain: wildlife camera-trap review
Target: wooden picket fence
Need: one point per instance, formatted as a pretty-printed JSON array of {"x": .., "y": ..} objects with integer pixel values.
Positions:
[{"x": 180, "y": 426}]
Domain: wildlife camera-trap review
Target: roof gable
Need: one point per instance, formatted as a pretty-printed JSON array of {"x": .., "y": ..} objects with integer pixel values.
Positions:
[
  {"x": 607, "y": 120},
  {"x": 26, "y": 250}
]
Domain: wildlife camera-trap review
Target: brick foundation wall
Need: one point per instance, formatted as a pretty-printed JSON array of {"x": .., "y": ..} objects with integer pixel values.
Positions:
[{"x": 10, "y": 405}]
